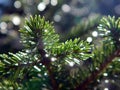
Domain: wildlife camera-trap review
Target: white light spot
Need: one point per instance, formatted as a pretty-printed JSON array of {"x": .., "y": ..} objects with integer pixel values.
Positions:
[
  {"x": 45, "y": 74},
  {"x": 71, "y": 64},
  {"x": 30, "y": 61},
  {"x": 43, "y": 66},
  {"x": 16, "y": 20},
  {"x": 54, "y": 2},
  {"x": 41, "y": 6},
  {"x": 57, "y": 18},
  {"x": 89, "y": 39},
  {"x": 105, "y": 74},
  {"x": 16, "y": 64},
  {"x": 28, "y": 51},
  {"x": 53, "y": 59},
  {"x": 119, "y": 39},
  {"x": 24, "y": 62},
  {"x": 3, "y": 25},
  {"x": 110, "y": 66},
  {"x": 37, "y": 68},
  {"x": 46, "y": 55},
  {"x": 106, "y": 81},
  {"x": 106, "y": 89},
  {"x": 17, "y": 4},
  {"x": 82, "y": 53},
  {"x": 97, "y": 68},
  {"x": 101, "y": 34},
  {"x": 98, "y": 80},
  {"x": 40, "y": 64},
  {"x": 66, "y": 8},
  {"x": 94, "y": 33},
  {"x": 46, "y": 30},
  {"x": 39, "y": 75}
]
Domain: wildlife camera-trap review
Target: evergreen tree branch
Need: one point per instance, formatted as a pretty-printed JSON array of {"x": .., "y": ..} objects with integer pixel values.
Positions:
[
  {"x": 48, "y": 59},
  {"x": 95, "y": 74},
  {"x": 110, "y": 31}
]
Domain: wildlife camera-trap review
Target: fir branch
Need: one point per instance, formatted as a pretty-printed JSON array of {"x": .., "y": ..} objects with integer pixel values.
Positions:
[
  {"x": 40, "y": 40},
  {"x": 95, "y": 74},
  {"x": 110, "y": 30}
]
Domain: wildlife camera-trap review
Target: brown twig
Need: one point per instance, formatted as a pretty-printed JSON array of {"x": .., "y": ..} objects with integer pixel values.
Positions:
[
  {"x": 47, "y": 62},
  {"x": 95, "y": 74}
]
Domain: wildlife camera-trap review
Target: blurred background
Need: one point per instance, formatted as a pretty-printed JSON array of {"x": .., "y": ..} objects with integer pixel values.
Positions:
[{"x": 72, "y": 18}]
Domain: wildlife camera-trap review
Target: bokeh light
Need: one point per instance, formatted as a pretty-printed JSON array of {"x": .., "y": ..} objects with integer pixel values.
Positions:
[
  {"x": 71, "y": 64},
  {"x": 57, "y": 18},
  {"x": 53, "y": 59},
  {"x": 106, "y": 88},
  {"x": 105, "y": 74},
  {"x": 54, "y": 2},
  {"x": 66, "y": 8},
  {"x": 17, "y": 4},
  {"x": 106, "y": 81},
  {"x": 94, "y": 33},
  {"x": 41, "y": 6},
  {"x": 89, "y": 39},
  {"x": 3, "y": 25},
  {"x": 16, "y": 20}
]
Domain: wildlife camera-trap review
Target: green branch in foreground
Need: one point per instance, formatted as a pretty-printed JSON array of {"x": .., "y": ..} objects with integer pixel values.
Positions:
[
  {"x": 41, "y": 46},
  {"x": 52, "y": 64}
]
